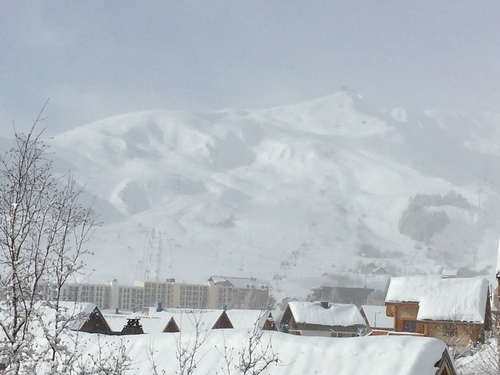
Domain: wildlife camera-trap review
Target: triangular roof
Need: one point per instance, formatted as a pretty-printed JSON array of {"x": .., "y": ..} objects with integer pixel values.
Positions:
[
  {"x": 192, "y": 320},
  {"x": 150, "y": 324},
  {"x": 171, "y": 326},
  {"x": 336, "y": 314},
  {"x": 249, "y": 319},
  {"x": 76, "y": 311},
  {"x": 455, "y": 299}
]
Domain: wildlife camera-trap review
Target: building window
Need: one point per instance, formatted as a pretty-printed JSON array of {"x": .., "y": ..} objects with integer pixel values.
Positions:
[
  {"x": 449, "y": 329},
  {"x": 343, "y": 334},
  {"x": 409, "y": 326}
]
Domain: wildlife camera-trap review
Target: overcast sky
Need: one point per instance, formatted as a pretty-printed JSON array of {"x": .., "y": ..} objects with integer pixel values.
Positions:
[{"x": 95, "y": 59}]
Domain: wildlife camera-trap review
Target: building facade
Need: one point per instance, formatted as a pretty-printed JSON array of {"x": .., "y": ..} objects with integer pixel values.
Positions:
[{"x": 218, "y": 293}]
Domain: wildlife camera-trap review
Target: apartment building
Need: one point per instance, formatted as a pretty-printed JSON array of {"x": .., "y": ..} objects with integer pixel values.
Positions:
[{"x": 218, "y": 293}]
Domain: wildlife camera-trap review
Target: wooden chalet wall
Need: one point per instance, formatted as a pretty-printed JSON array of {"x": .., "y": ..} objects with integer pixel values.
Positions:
[
  {"x": 455, "y": 333},
  {"x": 405, "y": 317},
  {"x": 452, "y": 333}
]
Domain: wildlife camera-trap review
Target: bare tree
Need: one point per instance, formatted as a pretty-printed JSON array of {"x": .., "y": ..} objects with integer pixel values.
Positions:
[
  {"x": 187, "y": 350},
  {"x": 151, "y": 357},
  {"x": 43, "y": 230},
  {"x": 109, "y": 358},
  {"x": 187, "y": 347},
  {"x": 255, "y": 355}
]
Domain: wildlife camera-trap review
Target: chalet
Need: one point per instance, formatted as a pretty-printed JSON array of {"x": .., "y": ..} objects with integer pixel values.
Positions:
[
  {"x": 454, "y": 310},
  {"x": 322, "y": 319}
]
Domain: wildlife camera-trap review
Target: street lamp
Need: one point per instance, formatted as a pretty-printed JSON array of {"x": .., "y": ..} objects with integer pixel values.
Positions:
[{"x": 375, "y": 319}]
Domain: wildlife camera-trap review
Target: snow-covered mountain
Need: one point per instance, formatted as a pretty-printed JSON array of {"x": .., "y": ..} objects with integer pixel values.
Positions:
[{"x": 289, "y": 194}]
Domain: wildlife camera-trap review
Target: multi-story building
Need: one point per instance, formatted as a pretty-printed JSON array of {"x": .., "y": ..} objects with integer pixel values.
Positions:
[
  {"x": 194, "y": 296},
  {"x": 100, "y": 294},
  {"x": 238, "y": 293},
  {"x": 218, "y": 293},
  {"x": 158, "y": 292}
]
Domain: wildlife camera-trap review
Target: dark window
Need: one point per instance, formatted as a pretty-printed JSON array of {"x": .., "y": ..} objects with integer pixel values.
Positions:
[{"x": 409, "y": 326}]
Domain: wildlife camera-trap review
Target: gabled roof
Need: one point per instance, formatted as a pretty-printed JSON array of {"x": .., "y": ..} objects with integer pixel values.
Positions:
[
  {"x": 455, "y": 299},
  {"x": 78, "y": 311},
  {"x": 185, "y": 320},
  {"x": 150, "y": 324},
  {"x": 335, "y": 314},
  {"x": 73, "y": 315},
  {"x": 248, "y": 318}
]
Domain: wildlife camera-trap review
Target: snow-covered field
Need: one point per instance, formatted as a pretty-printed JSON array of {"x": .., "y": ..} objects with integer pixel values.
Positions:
[{"x": 288, "y": 194}]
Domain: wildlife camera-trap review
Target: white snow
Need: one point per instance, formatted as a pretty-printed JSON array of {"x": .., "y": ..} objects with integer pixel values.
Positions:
[
  {"x": 293, "y": 191},
  {"x": 455, "y": 299},
  {"x": 336, "y": 314},
  {"x": 297, "y": 355}
]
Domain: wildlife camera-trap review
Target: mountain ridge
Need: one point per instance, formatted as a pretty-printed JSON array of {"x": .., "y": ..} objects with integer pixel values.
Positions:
[{"x": 293, "y": 192}]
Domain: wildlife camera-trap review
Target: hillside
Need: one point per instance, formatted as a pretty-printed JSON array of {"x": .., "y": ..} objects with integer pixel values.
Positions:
[{"x": 292, "y": 194}]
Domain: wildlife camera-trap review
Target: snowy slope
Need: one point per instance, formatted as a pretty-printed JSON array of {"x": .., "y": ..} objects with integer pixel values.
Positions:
[{"x": 288, "y": 194}]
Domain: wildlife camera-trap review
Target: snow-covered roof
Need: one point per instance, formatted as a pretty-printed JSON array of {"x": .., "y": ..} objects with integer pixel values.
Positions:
[
  {"x": 187, "y": 320},
  {"x": 461, "y": 299},
  {"x": 190, "y": 320},
  {"x": 335, "y": 314},
  {"x": 298, "y": 355},
  {"x": 248, "y": 318},
  {"x": 150, "y": 324},
  {"x": 377, "y": 317},
  {"x": 76, "y": 313},
  {"x": 80, "y": 312}
]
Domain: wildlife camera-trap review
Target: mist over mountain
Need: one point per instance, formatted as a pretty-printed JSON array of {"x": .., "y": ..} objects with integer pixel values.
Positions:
[{"x": 296, "y": 195}]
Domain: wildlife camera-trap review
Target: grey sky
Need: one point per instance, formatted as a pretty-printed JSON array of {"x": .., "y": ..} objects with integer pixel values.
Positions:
[{"x": 95, "y": 59}]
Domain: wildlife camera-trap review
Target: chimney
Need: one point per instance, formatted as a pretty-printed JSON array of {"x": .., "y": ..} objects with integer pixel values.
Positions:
[
  {"x": 159, "y": 307},
  {"x": 133, "y": 327}
]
